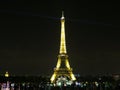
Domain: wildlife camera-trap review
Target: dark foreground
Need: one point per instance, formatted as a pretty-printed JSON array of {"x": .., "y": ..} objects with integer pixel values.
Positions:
[{"x": 43, "y": 83}]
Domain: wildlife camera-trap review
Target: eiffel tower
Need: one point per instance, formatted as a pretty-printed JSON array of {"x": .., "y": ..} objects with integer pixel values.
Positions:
[{"x": 62, "y": 71}]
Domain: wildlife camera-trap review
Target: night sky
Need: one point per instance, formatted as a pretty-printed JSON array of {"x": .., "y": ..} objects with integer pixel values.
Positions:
[{"x": 30, "y": 36}]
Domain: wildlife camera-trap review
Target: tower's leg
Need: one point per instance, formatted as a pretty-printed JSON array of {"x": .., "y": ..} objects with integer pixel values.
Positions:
[{"x": 53, "y": 78}]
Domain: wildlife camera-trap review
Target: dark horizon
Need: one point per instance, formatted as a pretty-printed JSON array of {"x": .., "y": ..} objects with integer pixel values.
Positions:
[{"x": 30, "y": 36}]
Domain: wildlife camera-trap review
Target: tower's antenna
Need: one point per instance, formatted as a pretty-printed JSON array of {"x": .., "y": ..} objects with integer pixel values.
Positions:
[{"x": 62, "y": 13}]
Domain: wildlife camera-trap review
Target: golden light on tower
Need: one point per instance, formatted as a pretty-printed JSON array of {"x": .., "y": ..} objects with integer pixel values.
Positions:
[
  {"x": 62, "y": 41},
  {"x": 63, "y": 68}
]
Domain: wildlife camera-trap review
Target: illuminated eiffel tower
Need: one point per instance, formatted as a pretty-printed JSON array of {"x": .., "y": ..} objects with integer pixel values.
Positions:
[{"x": 62, "y": 69}]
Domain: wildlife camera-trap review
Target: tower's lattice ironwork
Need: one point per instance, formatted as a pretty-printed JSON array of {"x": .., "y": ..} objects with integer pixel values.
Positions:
[{"x": 62, "y": 68}]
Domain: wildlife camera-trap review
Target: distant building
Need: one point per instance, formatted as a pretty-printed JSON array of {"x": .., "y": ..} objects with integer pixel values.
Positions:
[{"x": 6, "y": 74}]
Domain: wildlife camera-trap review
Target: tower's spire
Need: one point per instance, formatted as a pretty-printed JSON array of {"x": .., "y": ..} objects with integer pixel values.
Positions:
[
  {"x": 62, "y": 41},
  {"x": 62, "y": 13}
]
